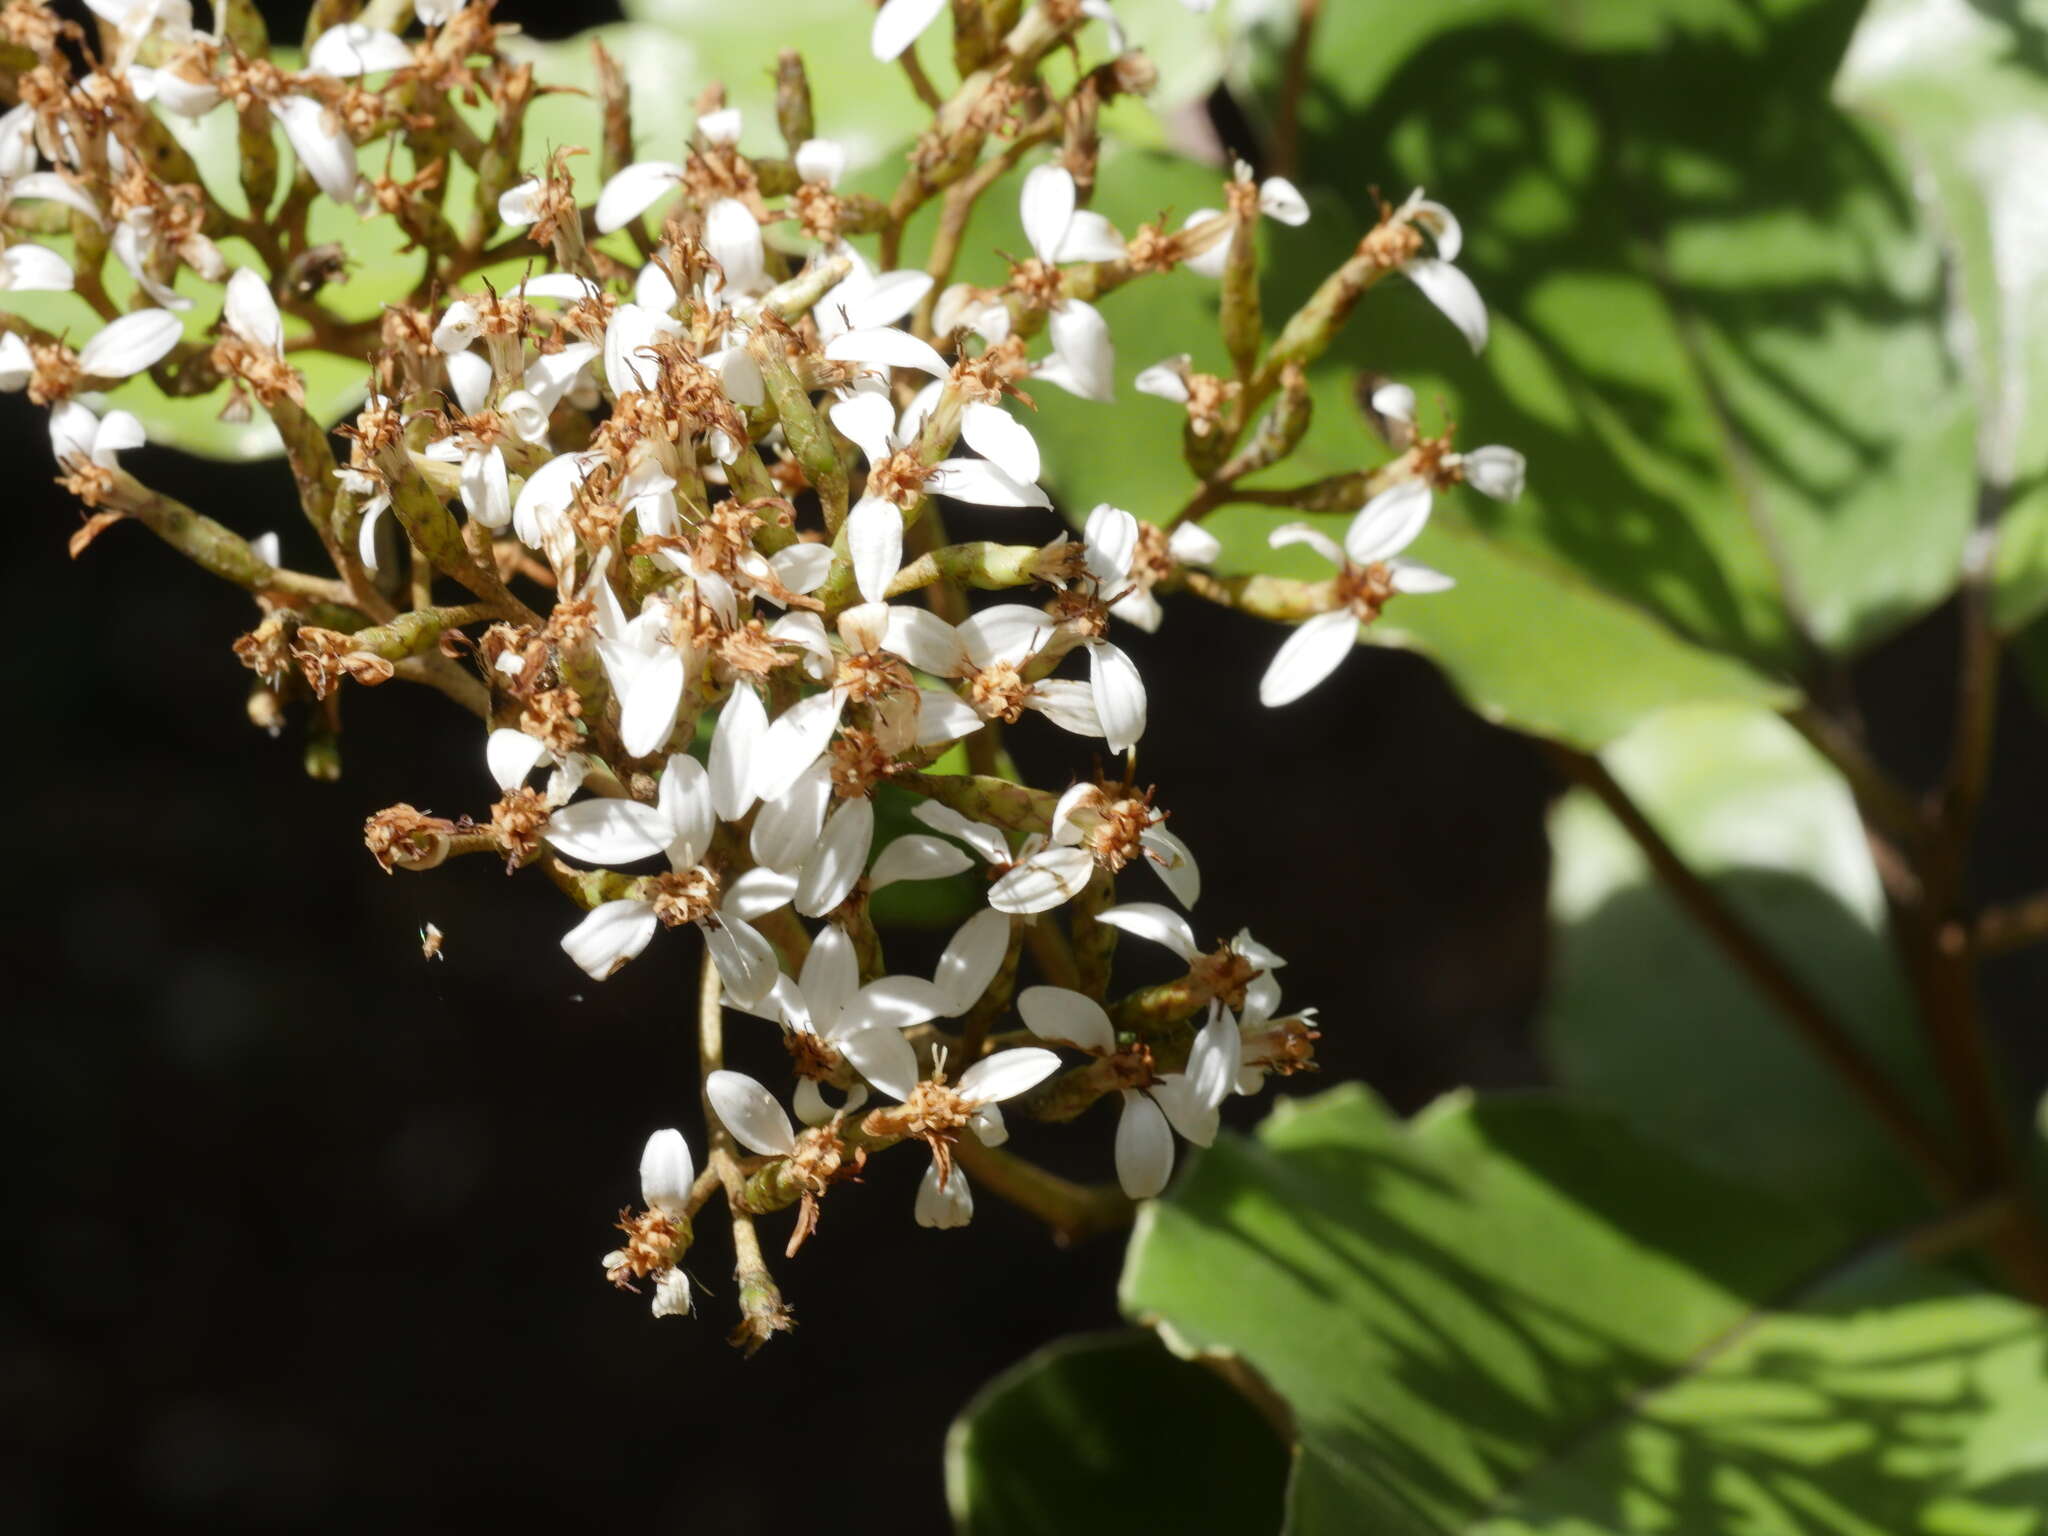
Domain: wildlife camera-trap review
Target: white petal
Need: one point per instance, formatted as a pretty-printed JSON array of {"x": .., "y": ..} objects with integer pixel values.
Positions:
[
  {"x": 831, "y": 976},
  {"x": 1112, "y": 538},
  {"x": 1307, "y": 656},
  {"x": 647, "y": 711},
  {"x": 733, "y": 237},
  {"x": 1054, "y": 1013},
  {"x": 1211, "y": 262},
  {"x": 610, "y": 935},
  {"x": 1452, "y": 292},
  {"x": 608, "y": 830},
  {"x": 633, "y": 191},
  {"x": 1493, "y": 470},
  {"x": 1144, "y": 1147},
  {"x": 897, "y": 25},
  {"x": 868, "y": 419},
  {"x": 722, "y": 126},
  {"x": 1140, "y": 610},
  {"x": 874, "y": 542},
  {"x": 511, "y": 756},
  {"x": 917, "y": 858},
  {"x": 983, "y": 839},
  {"x": 741, "y": 725},
  {"x": 988, "y": 1126},
  {"x": 802, "y": 568},
  {"x": 32, "y": 269},
  {"x": 971, "y": 960},
  {"x": 1388, "y": 523},
  {"x": 799, "y": 734},
  {"x": 1000, "y": 438},
  {"x": 1080, "y": 339},
  {"x": 883, "y": 347},
  {"x": 746, "y": 961},
  {"x": 666, "y": 1172},
  {"x": 1280, "y": 199},
  {"x": 1047, "y": 207},
  {"x": 366, "y": 532},
  {"x": 983, "y": 484},
  {"x": 786, "y": 828},
  {"x": 321, "y": 143},
  {"x": 1167, "y": 380},
  {"x": 884, "y": 1058},
  {"x": 118, "y": 430},
  {"x": 1314, "y": 538},
  {"x": 836, "y": 863},
  {"x": 1192, "y": 544},
  {"x": 1415, "y": 578},
  {"x": 1213, "y": 1061},
  {"x": 519, "y": 206},
  {"x": 125, "y": 347},
  {"x": 756, "y": 893},
  {"x": 750, "y": 1113},
  {"x": 1119, "y": 695},
  {"x": 822, "y": 161},
  {"x": 885, "y": 299},
  {"x": 1043, "y": 881},
  {"x": 1068, "y": 705},
  {"x": 943, "y": 717},
  {"x": 924, "y": 640},
  {"x": 685, "y": 800},
  {"x": 1396, "y": 402},
  {"x": 250, "y": 312},
  {"x": 893, "y": 1002},
  {"x": 1149, "y": 920},
  {"x": 1090, "y": 237},
  {"x": 1440, "y": 222},
  {"x": 951, "y": 1204},
  {"x": 459, "y": 326},
  {"x": 1185, "y": 1109},
  {"x": 1174, "y": 863},
  {"x": 470, "y": 376},
  {"x": 49, "y": 187},
  {"x": 672, "y": 1293},
  {"x": 1007, "y": 1074},
  {"x": 353, "y": 49}
]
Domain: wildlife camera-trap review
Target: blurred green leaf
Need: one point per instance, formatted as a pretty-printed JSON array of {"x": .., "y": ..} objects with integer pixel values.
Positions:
[
  {"x": 1513, "y": 1317},
  {"x": 1111, "y": 1432},
  {"x": 1648, "y": 1018},
  {"x": 1964, "y": 90},
  {"x": 1718, "y": 322}
]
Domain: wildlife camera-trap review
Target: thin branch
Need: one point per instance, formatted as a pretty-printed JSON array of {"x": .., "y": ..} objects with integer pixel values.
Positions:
[
  {"x": 2016, "y": 925},
  {"x": 1286, "y": 158},
  {"x": 1072, "y": 1211}
]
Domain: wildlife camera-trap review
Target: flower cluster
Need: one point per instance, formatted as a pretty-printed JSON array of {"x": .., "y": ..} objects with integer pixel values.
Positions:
[{"x": 666, "y": 512}]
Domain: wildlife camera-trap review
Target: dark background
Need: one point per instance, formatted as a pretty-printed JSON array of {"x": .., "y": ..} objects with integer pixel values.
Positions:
[{"x": 307, "y": 1230}]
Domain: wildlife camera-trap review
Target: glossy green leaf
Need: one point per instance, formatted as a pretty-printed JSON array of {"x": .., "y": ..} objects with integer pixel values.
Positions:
[
  {"x": 1718, "y": 319},
  {"x": 1112, "y": 1432},
  {"x": 1964, "y": 92},
  {"x": 1513, "y": 1317},
  {"x": 1646, "y": 1015}
]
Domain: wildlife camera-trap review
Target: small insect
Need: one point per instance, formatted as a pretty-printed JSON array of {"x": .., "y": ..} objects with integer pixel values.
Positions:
[{"x": 430, "y": 942}]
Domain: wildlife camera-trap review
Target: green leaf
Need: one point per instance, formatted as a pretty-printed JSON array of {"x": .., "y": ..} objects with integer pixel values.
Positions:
[
  {"x": 1963, "y": 91},
  {"x": 1513, "y": 1318},
  {"x": 1648, "y": 1018},
  {"x": 1111, "y": 1432},
  {"x": 1718, "y": 324}
]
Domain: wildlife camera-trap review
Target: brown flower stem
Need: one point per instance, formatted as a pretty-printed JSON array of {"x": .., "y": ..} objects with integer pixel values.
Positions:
[
  {"x": 1072, "y": 1211},
  {"x": 762, "y": 1312},
  {"x": 1769, "y": 974},
  {"x": 1286, "y": 156}
]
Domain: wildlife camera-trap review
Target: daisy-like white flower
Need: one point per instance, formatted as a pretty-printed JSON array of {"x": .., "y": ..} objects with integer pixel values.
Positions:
[
  {"x": 1185, "y": 1101},
  {"x": 1493, "y": 470},
  {"x": 990, "y": 651},
  {"x": 608, "y": 832},
  {"x": 938, "y": 1113},
  {"x": 1368, "y": 574},
  {"x": 654, "y": 1238},
  {"x": 1126, "y": 558},
  {"x": 1083, "y": 360},
  {"x": 1279, "y": 200}
]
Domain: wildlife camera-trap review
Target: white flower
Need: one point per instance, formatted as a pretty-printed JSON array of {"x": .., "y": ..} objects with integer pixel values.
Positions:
[
  {"x": 1112, "y": 540},
  {"x": 1187, "y": 1100},
  {"x": 1450, "y": 290},
  {"x": 353, "y": 49},
  {"x": 76, "y": 434},
  {"x": 990, "y": 651},
  {"x": 983, "y": 1086},
  {"x": 1083, "y": 360},
  {"x": 1368, "y": 575},
  {"x": 1039, "y": 876},
  {"x": 1279, "y": 200}
]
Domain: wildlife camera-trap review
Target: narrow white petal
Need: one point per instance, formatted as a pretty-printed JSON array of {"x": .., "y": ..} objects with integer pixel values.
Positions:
[
  {"x": 786, "y": 828},
  {"x": 1441, "y": 223},
  {"x": 821, "y": 161},
  {"x": 756, "y": 893},
  {"x": 672, "y": 1293},
  {"x": 1211, "y": 262},
  {"x": 898, "y": 24},
  {"x": 802, "y": 568},
  {"x": 125, "y": 347},
  {"x": 610, "y": 935},
  {"x": 868, "y": 419},
  {"x": 917, "y": 858},
  {"x": 647, "y": 712},
  {"x": 722, "y": 126},
  {"x": 893, "y": 1002},
  {"x": 633, "y": 191},
  {"x": 352, "y": 49},
  {"x": 1167, "y": 380},
  {"x": 1280, "y": 199},
  {"x": 884, "y": 1058},
  {"x": 1144, "y": 1147},
  {"x": 733, "y": 237},
  {"x": 1043, "y": 881},
  {"x": 1080, "y": 339},
  {"x": 1194, "y": 1117},
  {"x": 1119, "y": 695},
  {"x": 1047, "y": 208},
  {"x": 470, "y": 377},
  {"x": 885, "y": 299},
  {"x": 982, "y": 838},
  {"x": 1007, "y": 1074},
  {"x": 924, "y": 640},
  {"x": 988, "y": 1126},
  {"x": 1174, "y": 863},
  {"x": 831, "y": 976},
  {"x": 750, "y": 1113},
  {"x": 1396, "y": 402},
  {"x": 1213, "y": 1060},
  {"x": 685, "y": 800},
  {"x": 251, "y": 313},
  {"x": 884, "y": 347},
  {"x": 1192, "y": 544},
  {"x": 1150, "y": 920},
  {"x": 745, "y": 960},
  {"x": 836, "y": 863},
  {"x": 1416, "y": 579},
  {"x": 519, "y": 206},
  {"x": 1055, "y": 1013},
  {"x": 943, "y": 717},
  {"x": 1452, "y": 292},
  {"x": 971, "y": 960},
  {"x": 1311, "y": 653},
  {"x": 741, "y": 725},
  {"x": 49, "y": 187},
  {"x": 1112, "y": 538},
  {"x": 1388, "y": 523},
  {"x": 799, "y": 734},
  {"x": 1005, "y": 632},
  {"x": 1090, "y": 237},
  {"x": 666, "y": 1172},
  {"x": 874, "y": 541},
  {"x": 321, "y": 143},
  {"x": 608, "y": 830},
  {"x": 951, "y": 1204},
  {"x": 1000, "y": 438},
  {"x": 1068, "y": 705},
  {"x": 1493, "y": 470},
  {"x": 1314, "y": 538},
  {"x": 511, "y": 756}
]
